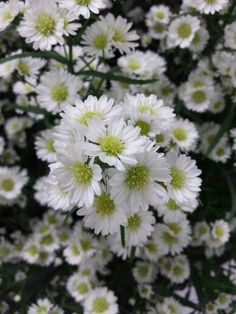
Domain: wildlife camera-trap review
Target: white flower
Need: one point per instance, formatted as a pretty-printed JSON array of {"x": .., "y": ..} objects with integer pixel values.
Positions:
[
  {"x": 184, "y": 134},
  {"x": 169, "y": 306},
  {"x": 152, "y": 250},
  {"x": 42, "y": 25},
  {"x": 114, "y": 144},
  {"x": 161, "y": 116},
  {"x": 230, "y": 35},
  {"x": 122, "y": 39},
  {"x": 31, "y": 251},
  {"x": 78, "y": 178},
  {"x": 12, "y": 180},
  {"x": 48, "y": 241},
  {"x": 78, "y": 287},
  {"x": 43, "y": 306},
  {"x": 7, "y": 68},
  {"x": 158, "y": 13},
  {"x": 144, "y": 272},
  {"x": 182, "y": 30},
  {"x": 90, "y": 108},
  {"x": 104, "y": 216},
  {"x": 185, "y": 182},
  {"x": 8, "y": 11},
  {"x": 139, "y": 185},
  {"x": 57, "y": 89},
  {"x": 73, "y": 252},
  {"x": 220, "y": 233},
  {"x": 44, "y": 146},
  {"x": 30, "y": 66},
  {"x": 97, "y": 40},
  {"x": 82, "y": 7},
  {"x": 200, "y": 40},
  {"x": 224, "y": 300},
  {"x": 139, "y": 227},
  {"x": 210, "y": 7},
  {"x": 174, "y": 234},
  {"x": 100, "y": 300},
  {"x": 69, "y": 17}
]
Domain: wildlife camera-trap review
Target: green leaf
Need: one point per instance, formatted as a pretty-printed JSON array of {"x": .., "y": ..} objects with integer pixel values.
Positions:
[
  {"x": 224, "y": 127},
  {"x": 36, "y": 54},
  {"x": 132, "y": 254},
  {"x": 112, "y": 77},
  {"x": 32, "y": 109},
  {"x": 232, "y": 191},
  {"x": 122, "y": 235}
]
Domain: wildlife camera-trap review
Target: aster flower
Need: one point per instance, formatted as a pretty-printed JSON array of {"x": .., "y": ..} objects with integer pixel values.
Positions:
[{"x": 42, "y": 25}]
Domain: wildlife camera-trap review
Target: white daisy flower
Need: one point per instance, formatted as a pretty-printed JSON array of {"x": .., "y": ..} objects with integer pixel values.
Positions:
[
  {"x": 79, "y": 114},
  {"x": 57, "y": 89},
  {"x": 78, "y": 178},
  {"x": 6, "y": 251},
  {"x": 211, "y": 308},
  {"x": 134, "y": 63},
  {"x": 201, "y": 231},
  {"x": 73, "y": 252},
  {"x": 210, "y": 7},
  {"x": 123, "y": 39},
  {"x": 8, "y": 11},
  {"x": 220, "y": 233},
  {"x": 69, "y": 17},
  {"x": 158, "y": 13},
  {"x": 169, "y": 305},
  {"x": 48, "y": 241},
  {"x": 114, "y": 143},
  {"x": 31, "y": 251},
  {"x": 150, "y": 106},
  {"x": 12, "y": 181},
  {"x": 78, "y": 287},
  {"x": 139, "y": 185},
  {"x": 30, "y": 66},
  {"x": 7, "y": 68},
  {"x": 197, "y": 99},
  {"x": 230, "y": 35},
  {"x": 45, "y": 149},
  {"x": 42, "y": 25},
  {"x": 42, "y": 306},
  {"x": 104, "y": 216},
  {"x": 200, "y": 40},
  {"x": 97, "y": 40},
  {"x": 144, "y": 272},
  {"x": 182, "y": 30},
  {"x": 82, "y": 7},
  {"x": 184, "y": 134},
  {"x": 152, "y": 250},
  {"x": 145, "y": 291},
  {"x": 224, "y": 300},
  {"x": 139, "y": 228},
  {"x": 174, "y": 234},
  {"x": 185, "y": 182},
  {"x": 100, "y": 300}
]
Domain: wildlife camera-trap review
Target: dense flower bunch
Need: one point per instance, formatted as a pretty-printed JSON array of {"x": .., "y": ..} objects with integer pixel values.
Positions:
[{"x": 117, "y": 157}]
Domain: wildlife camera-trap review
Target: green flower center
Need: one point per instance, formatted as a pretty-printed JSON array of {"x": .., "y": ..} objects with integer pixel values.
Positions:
[
  {"x": 41, "y": 309},
  {"x": 82, "y": 288},
  {"x": 143, "y": 271},
  {"x": 211, "y": 307},
  {"x": 63, "y": 236},
  {"x": 100, "y": 305},
  {"x": 184, "y": 30},
  {"x": 158, "y": 28},
  {"x": 178, "y": 271},
  {"x": 7, "y": 16},
  {"x": 159, "y": 138},
  {"x": 7, "y": 185},
  {"x": 196, "y": 39},
  {"x": 202, "y": 229},
  {"x": 50, "y": 146},
  {"x": 45, "y": 25},
  {"x": 104, "y": 205},
  {"x": 118, "y": 36},
  {"x": 222, "y": 299},
  {"x": 165, "y": 91},
  {"x": 74, "y": 249},
  {"x": 210, "y": 1},
  {"x": 199, "y": 96},
  {"x": 100, "y": 42},
  {"x": 175, "y": 227},
  {"x": 33, "y": 250},
  {"x": 180, "y": 134},
  {"x": 52, "y": 219},
  {"x": 59, "y": 93},
  {"x": 82, "y": 173},
  {"x": 146, "y": 108},
  {"x": 23, "y": 68},
  {"x": 86, "y": 245},
  {"x": 86, "y": 272},
  {"x": 171, "y": 204},
  {"x": 83, "y": 2},
  {"x": 220, "y": 151},
  {"x": 4, "y": 251},
  {"x": 134, "y": 64},
  {"x": 151, "y": 247},
  {"x": 89, "y": 115},
  {"x": 43, "y": 228},
  {"x": 43, "y": 256},
  {"x": 134, "y": 222},
  {"x": 144, "y": 126},
  {"x": 169, "y": 238},
  {"x": 137, "y": 177},
  {"x": 47, "y": 240},
  {"x": 111, "y": 145},
  {"x": 219, "y": 231},
  {"x": 178, "y": 178},
  {"x": 160, "y": 15}
]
